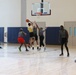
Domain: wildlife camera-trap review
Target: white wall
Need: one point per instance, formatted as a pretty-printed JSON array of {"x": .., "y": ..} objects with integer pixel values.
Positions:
[
  {"x": 23, "y": 13},
  {"x": 61, "y": 10},
  {"x": 10, "y": 13}
]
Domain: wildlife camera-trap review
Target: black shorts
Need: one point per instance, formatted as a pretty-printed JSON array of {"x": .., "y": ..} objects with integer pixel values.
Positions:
[
  {"x": 36, "y": 37},
  {"x": 64, "y": 40},
  {"x": 31, "y": 34}
]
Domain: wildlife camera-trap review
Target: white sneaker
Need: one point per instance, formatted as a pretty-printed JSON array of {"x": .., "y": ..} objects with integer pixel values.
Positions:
[{"x": 44, "y": 48}]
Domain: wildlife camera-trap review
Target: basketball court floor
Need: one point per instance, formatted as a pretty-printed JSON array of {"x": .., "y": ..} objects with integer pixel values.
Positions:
[{"x": 33, "y": 62}]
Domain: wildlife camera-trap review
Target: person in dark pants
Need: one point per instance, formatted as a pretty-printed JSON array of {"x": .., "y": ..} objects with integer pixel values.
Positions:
[
  {"x": 41, "y": 35},
  {"x": 21, "y": 40},
  {"x": 63, "y": 37},
  {"x": 35, "y": 35}
]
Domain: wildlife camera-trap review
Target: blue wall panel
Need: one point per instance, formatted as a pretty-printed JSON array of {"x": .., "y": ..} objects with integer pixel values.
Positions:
[
  {"x": 52, "y": 35},
  {"x": 13, "y": 34},
  {"x": 1, "y": 34}
]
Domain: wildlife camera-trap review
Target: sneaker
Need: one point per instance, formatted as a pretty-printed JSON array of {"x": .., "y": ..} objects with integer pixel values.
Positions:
[
  {"x": 37, "y": 47},
  {"x": 19, "y": 49},
  {"x": 27, "y": 50},
  {"x": 61, "y": 54},
  {"x": 68, "y": 55},
  {"x": 32, "y": 48},
  {"x": 44, "y": 48},
  {"x": 0, "y": 47}
]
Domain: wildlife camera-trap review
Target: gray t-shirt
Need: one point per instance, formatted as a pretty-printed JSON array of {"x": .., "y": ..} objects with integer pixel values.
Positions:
[
  {"x": 21, "y": 34},
  {"x": 41, "y": 32}
]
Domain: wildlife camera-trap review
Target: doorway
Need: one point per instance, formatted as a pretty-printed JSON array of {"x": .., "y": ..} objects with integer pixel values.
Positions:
[{"x": 70, "y": 26}]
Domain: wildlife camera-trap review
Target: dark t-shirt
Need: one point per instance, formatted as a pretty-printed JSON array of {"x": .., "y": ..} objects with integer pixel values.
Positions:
[
  {"x": 35, "y": 31},
  {"x": 63, "y": 34}
]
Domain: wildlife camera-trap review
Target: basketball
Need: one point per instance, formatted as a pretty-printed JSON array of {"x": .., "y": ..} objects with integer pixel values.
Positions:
[{"x": 27, "y": 20}]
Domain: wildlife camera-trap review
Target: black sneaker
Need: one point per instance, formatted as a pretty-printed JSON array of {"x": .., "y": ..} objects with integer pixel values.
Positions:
[
  {"x": 0, "y": 47},
  {"x": 37, "y": 47},
  {"x": 32, "y": 48},
  {"x": 68, "y": 55},
  {"x": 27, "y": 50},
  {"x": 61, "y": 55}
]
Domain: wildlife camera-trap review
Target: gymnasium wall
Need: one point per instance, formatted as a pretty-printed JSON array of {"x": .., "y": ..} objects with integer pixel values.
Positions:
[
  {"x": 13, "y": 14},
  {"x": 52, "y": 35},
  {"x": 10, "y": 13},
  {"x": 1, "y": 34},
  {"x": 23, "y": 13}
]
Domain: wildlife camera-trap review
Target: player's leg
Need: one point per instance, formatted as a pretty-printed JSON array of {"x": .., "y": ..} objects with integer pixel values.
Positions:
[{"x": 25, "y": 46}]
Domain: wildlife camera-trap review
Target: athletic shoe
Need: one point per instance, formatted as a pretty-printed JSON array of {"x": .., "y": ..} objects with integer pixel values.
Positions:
[
  {"x": 0, "y": 47},
  {"x": 37, "y": 47},
  {"x": 19, "y": 49},
  {"x": 68, "y": 55},
  {"x": 61, "y": 54},
  {"x": 27, "y": 50},
  {"x": 32, "y": 48},
  {"x": 44, "y": 47}
]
